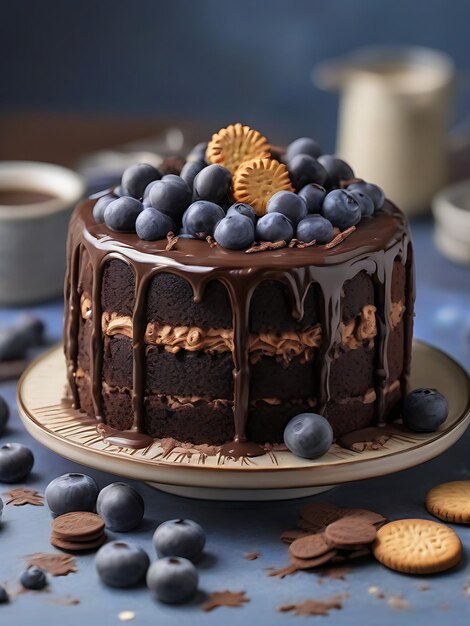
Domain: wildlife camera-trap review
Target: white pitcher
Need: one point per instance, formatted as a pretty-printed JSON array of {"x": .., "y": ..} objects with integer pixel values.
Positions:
[{"x": 394, "y": 116}]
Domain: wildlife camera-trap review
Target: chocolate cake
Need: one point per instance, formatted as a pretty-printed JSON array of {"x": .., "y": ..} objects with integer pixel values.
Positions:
[{"x": 209, "y": 345}]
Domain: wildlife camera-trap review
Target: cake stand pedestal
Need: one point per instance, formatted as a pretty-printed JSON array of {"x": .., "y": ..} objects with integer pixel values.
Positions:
[{"x": 186, "y": 471}]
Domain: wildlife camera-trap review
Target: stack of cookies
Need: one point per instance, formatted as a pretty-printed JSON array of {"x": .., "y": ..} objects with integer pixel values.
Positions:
[
  {"x": 330, "y": 534},
  {"x": 78, "y": 531}
]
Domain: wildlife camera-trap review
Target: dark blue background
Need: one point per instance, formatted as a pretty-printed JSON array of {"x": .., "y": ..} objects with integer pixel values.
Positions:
[{"x": 214, "y": 61}]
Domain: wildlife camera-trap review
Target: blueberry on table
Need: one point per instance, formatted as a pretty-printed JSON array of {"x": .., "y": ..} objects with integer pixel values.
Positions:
[
  {"x": 315, "y": 228},
  {"x": 336, "y": 169},
  {"x": 201, "y": 218},
  {"x": 240, "y": 208},
  {"x": 71, "y": 492},
  {"x": 151, "y": 225},
  {"x": 198, "y": 153},
  {"x": 235, "y": 232},
  {"x": 289, "y": 204},
  {"x": 304, "y": 169},
  {"x": 171, "y": 196},
  {"x": 313, "y": 196},
  {"x": 190, "y": 170},
  {"x": 341, "y": 208},
  {"x": 136, "y": 178},
  {"x": 121, "y": 564},
  {"x": 120, "y": 214},
  {"x": 33, "y": 578},
  {"x": 212, "y": 183},
  {"x": 274, "y": 227},
  {"x": 179, "y": 537},
  {"x": 365, "y": 202},
  {"x": 100, "y": 207},
  {"x": 303, "y": 145},
  {"x": 16, "y": 462},
  {"x": 4, "y": 414},
  {"x": 375, "y": 193},
  {"x": 120, "y": 506},
  {"x": 4, "y": 598},
  {"x": 424, "y": 410},
  {"x": 308, "y": 435},
  {"x": 173, "y": 580}
]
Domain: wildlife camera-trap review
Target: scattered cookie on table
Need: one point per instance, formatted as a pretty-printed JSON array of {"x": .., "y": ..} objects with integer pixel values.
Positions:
[
  {"x": 450, "y": 501},
  {"x": 417, "y": 546}
]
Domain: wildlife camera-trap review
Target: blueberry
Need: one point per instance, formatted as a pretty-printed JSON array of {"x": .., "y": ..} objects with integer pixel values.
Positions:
[
  {"x": 146, "y": 196},
  {"x": 313, "y": 196},
  {"x": 171, "y": 196},
  {"x": 33, "y": 578},
  {"x": 201, "y": 218},
  {"x": 121, "y": 564},
  {"x": 375, "y": 193},
  {"x": 341, "y": 208},
  {"x": 336, "y": 169},
  {"x": 212, "y": 183},
  {"x": 365, "y": 202},
  {"x": 100, "y": 207},
  {"x": 120, "y": 214},
  {"x": 4, "y": 598},
  {"x": 176, "y": 179},
  {"x": 136, "y": 178},
  {"x": 16, "y": 462},
  {"x": 71, "y": 492},
  {"x": 235, "y": 232},
  {"x": 4, "y": 414},
  {"x": 303, "y": 145},
  {"x": 240, "y": 208},
  {"x": 274, "y": 227},
  {"x": 304, "y": 169},
  {"x": 16, "y": 340},
  {"x": 1, "y": 508},
  {"x": 179, "y": 537},
  {"x": 173, "y": 580},
  {"x": 118, "y": 191},
  {"x": 121, "y": 507},
  {"x": 308, "y": 435},
  {"x": 424, "y": 410},
  {"x": 190, "y": 170},
  {"x": 152, "y": 225},
  {"x": 289, "y": 204},
  {"x": 198, "y": 153},
  {"x": 315, "y": 227}
]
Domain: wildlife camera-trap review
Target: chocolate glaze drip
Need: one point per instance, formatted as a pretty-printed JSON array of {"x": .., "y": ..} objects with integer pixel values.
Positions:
[{"x": 373, "y": 247}]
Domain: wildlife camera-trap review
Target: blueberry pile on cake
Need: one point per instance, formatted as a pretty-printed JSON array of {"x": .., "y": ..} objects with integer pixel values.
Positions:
[{"x": 215, "y": 298}]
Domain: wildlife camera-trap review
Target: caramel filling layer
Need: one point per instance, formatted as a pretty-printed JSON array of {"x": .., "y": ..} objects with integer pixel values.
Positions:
[{"x": 358, "y": 332}]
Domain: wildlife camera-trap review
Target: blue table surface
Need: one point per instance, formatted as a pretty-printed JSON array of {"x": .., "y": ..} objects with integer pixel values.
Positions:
[{"x": 443, "y": 319}]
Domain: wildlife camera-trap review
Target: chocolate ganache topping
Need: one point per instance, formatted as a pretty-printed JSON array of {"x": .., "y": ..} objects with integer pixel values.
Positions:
[{"x": 373, "y": 247}]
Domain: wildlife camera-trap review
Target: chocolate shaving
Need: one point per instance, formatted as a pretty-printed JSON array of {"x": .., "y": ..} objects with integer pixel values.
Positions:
[
  {"x": 211, "y": 241},
  {"x": 22, "y": 495},
  {"x": 314, "y": 607},
  {"x": 54, "y": 564},
  {"x": 296, "y": 243},
  {"x": 64, "y": 601},
  {"x": 217, "y": 599},
  {"x": 266, "y": 245},
  {"x": 339, "y": 238},
  {"x": 252, "y": 556},
  {"x": 172, "y": 241}
]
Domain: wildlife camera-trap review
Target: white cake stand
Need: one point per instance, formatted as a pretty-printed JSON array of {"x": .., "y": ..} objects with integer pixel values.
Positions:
[{"x": 273, "y": 476}]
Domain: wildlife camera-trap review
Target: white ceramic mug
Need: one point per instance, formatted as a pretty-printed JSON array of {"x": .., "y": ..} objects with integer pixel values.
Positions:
[
  {"x": 394, "y": 115},
  {"x": 33, "y": 236}
]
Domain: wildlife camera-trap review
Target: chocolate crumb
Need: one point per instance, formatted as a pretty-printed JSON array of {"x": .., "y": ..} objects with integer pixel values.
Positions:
[
  {"x": 424, "y": 587},
  {"x": 339, "y": 238},
  {"x": 54, "y": 564},
  {"x": 252, "y": 556},
  {"x": 296, "y": 243},
  {"x": 314, "y": 607},
  {"x": 211, "y": 241},
  {"x": 266, "y": 245},
  {"x": 64, "y": 601},
  {"x": 377, "y": 592},
  {"x": 22, "y": 495},
  {"x": 234, "y": 599},
  {"x": 172, "y": 241}
]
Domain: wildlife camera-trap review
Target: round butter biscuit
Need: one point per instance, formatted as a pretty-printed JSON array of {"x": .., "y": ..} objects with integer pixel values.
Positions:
[
  {"x": 450, "y": 501},
  {"x": 256, "y": 181},
  {"x": 235, "y": 144}
]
